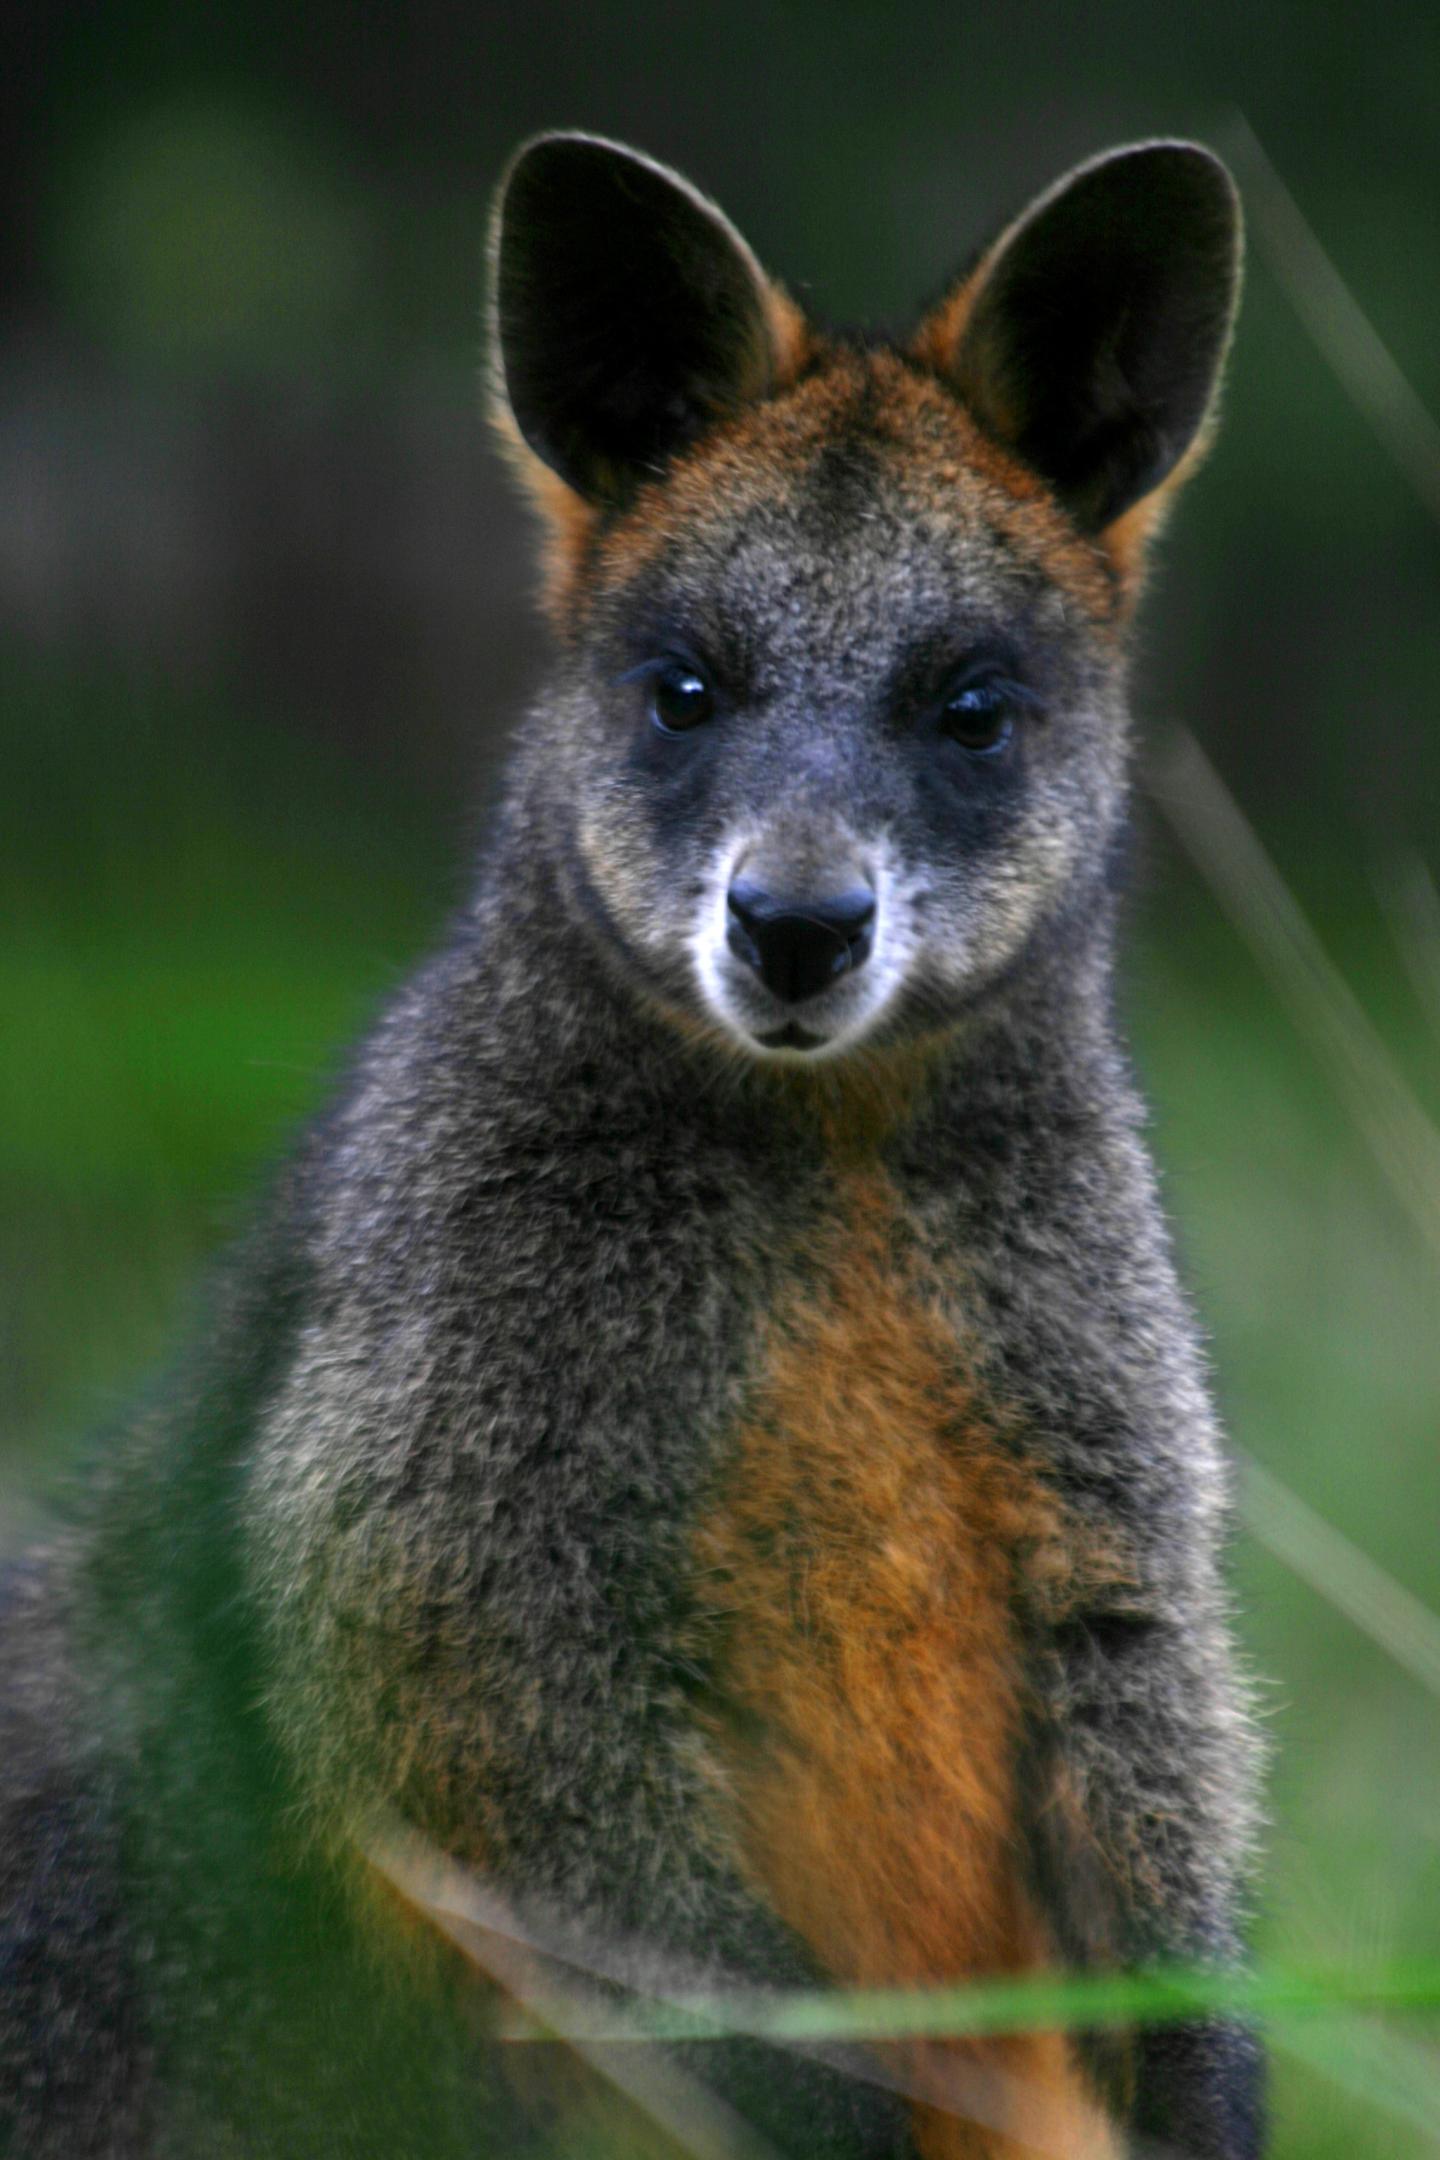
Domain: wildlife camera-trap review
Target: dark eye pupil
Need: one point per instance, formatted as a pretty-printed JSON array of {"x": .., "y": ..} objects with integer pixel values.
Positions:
[
  {"x": 978, "y": 717},
  {"x": 681, "y": 699}
]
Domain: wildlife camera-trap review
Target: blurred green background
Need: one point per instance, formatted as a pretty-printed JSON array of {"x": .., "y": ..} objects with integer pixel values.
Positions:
[{"x": 264, "y": 620}]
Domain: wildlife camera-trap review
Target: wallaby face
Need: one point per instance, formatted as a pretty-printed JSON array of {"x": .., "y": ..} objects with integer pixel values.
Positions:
[
  {"x": 839, "y": 750},
  {"x": 842, "y": 726}
]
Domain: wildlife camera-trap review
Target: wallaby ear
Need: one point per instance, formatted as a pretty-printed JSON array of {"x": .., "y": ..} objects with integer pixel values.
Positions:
[
  {"x": 628, "y": 313},
  {"x": 1090, "y": 338}
]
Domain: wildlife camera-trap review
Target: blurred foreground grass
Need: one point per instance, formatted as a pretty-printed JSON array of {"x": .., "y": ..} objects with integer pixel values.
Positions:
[
  {"x": 1320, "y": 1293},
  {"x": 197, "y": 920}
]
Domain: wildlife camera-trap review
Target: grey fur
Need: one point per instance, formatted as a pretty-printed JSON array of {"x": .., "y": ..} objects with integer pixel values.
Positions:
[{"x": 411, "y": 1532}]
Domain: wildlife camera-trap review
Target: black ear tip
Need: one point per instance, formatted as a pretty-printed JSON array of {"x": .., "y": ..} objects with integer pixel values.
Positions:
[
  {"x": 555, "y": 194},
  {"x": 561, "y": 149},
  {"x": 1164, "y": 154},
  {"x": 566, "y": 164},
  {"x": 1202, "y": 175},
  {"x": 566, "y": 191},
  {"x": 1170, "y": 178},
  {"x": 1178, "y": 152},
  {"x": 543, "y": 166}
]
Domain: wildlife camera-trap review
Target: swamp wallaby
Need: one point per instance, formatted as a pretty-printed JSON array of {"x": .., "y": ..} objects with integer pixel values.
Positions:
[{"x": 705, "y": 1435}]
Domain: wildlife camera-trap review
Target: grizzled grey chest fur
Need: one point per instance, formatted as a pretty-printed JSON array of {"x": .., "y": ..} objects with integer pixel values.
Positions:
[{"x": 710, "y": 1439}]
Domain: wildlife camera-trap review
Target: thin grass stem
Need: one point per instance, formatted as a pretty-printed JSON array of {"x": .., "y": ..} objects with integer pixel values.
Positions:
[
  {"x": 1344, "y": 1576},
  {"x": 1334, "y": 318},
  {"x": 1224, "y": 846},
  {"x": 1411, "y": 901}
]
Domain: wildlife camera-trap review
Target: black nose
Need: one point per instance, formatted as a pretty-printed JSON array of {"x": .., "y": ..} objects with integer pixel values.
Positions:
[{"x": 799, "y": 946}]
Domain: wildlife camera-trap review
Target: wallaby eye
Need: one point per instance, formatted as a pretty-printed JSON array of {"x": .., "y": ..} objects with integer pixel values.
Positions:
[
  {"x": 980, "y": 716},
  {"x": 680, "y": 699}
]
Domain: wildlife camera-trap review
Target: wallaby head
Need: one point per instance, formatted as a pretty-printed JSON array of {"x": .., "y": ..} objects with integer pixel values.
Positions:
[{"x": 840, "y": 724}]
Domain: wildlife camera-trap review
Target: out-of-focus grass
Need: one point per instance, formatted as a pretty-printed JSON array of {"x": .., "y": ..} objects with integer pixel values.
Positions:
[
  {"x": 194, "y": 920},
  {"x": 191, "y": 934},
  {"x": 1321, "y": 1297}
]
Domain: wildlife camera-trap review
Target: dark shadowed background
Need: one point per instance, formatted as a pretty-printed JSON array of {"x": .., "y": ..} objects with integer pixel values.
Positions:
[{"x": 265, "y": 621}]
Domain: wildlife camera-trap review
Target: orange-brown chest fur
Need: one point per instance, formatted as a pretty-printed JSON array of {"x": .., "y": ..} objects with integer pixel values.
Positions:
[{"x": 867, "y": 1568}]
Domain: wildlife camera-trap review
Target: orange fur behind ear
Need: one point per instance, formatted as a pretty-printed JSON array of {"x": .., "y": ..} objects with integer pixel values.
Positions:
[
  {"x": 937, "y": 340},
  {"x": 568, "y": 523},
  {"x": 1127, "y": 541}
]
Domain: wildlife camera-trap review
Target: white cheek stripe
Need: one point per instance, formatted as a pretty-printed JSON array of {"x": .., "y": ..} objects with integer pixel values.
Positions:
[{"x": 707, "y": 943}]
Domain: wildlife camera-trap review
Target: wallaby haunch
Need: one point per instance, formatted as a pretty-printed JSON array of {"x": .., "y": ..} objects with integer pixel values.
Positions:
[{"x": 706, "y": 1435}]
